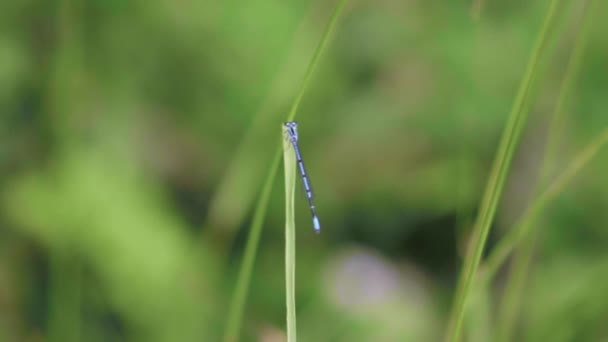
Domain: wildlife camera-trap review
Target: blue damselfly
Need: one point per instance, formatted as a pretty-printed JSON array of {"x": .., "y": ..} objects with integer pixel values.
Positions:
[{"x": 292, "y": 133}]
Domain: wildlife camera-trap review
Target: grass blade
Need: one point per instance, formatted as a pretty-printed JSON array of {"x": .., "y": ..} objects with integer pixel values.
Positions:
[
  {"x": 238, "y": 301},
  {"x": 510, "y": 302},
  {"x": 506, "y": 245},
  {"x": 509, "y": 141},
  {"x": 239, "y": 187},
  {"x": 315, "y": 59},
  {"x": 290, "y": 239}
]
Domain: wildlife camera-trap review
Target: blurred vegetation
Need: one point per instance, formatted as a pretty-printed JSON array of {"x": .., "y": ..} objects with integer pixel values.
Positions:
[{"x": 136, "y": 135}]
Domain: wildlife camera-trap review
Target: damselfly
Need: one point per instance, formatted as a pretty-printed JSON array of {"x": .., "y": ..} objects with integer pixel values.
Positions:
[{"x": 292, "y": 133}]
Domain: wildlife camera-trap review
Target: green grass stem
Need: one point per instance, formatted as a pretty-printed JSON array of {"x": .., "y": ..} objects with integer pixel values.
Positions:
[
  {"x": 515, "y": 283},
  {"x": 509, "y": 141},
  {"x": 240, "y": 295},
  {"x": 506, "y": 245},
  {"x": 290, "y": 239}
]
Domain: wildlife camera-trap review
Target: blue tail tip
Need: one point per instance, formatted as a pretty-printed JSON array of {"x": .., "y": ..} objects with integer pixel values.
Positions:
[{"x": 316, "y": 224}]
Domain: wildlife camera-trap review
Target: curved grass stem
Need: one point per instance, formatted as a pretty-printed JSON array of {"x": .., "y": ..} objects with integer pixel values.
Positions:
[
  {"x": 509, "y": 141},
  {"x": 237, "y": 305},
  {"x": 512, "y": 294},
  {"x": 506, "y": 245}
]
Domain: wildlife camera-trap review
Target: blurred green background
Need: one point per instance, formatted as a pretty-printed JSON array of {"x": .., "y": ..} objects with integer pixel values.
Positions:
[{"x": 136, "y": 136}]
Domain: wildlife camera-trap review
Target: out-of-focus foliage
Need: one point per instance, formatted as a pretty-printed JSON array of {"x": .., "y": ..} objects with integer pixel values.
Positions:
[{"x": 135, "y": 135}]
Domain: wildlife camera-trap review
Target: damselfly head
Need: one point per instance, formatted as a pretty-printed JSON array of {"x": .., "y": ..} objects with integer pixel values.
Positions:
[{"x": 292, "y": 130}]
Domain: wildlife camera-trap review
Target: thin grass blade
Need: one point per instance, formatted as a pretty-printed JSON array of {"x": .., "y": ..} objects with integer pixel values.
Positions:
[
  {"x": 244, "y": 278},
  {"x": 237, "y": 303},
  {"x": 509, "y": 141},
  {"x": 511, "y": 299},
  {"x": 506, "y": 245},
  {"x": 290, "y": 238}
]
